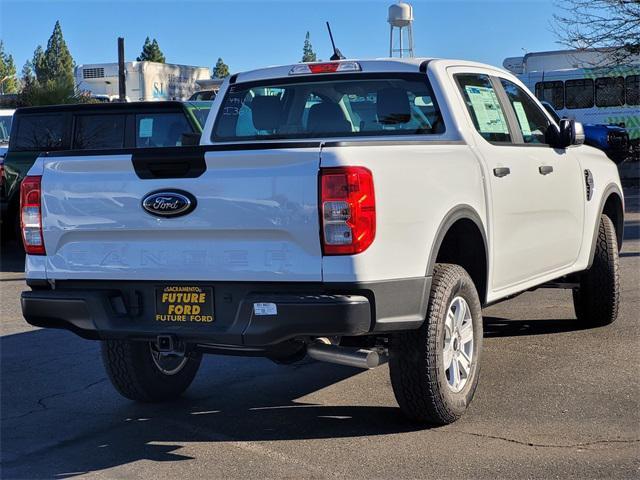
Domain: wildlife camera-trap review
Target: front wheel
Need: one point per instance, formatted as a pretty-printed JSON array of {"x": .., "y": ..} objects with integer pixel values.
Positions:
[
  {"x": 434, "y": 370},
  {"x": 597, "y": 298},
  {"x": 141, "y": 373}
]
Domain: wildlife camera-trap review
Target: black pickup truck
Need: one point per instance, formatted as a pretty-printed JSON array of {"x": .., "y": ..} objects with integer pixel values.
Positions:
[{"x": 99, "y": 126}]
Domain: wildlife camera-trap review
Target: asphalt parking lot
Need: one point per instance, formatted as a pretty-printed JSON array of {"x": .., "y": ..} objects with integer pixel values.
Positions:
[{"x": 555, "y": 400}]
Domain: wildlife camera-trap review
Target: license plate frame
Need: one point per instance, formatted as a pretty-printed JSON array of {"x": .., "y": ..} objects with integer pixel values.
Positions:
[{"x": 184, "y": 304}]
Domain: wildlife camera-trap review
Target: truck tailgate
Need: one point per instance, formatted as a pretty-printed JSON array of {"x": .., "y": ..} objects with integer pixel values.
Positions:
[{"x": 256, "y": 218}]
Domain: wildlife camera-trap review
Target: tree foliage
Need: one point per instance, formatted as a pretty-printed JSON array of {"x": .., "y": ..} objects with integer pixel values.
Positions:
[
  {"x": 308, "y": 55},
  {"x": 28, "y": 75},
  {"x": 221, "y": 70},
  {"x": 8, "y": 80},
  {"x": 610, "y": 24},
  {"x": 55, "y": 63},
  {"x": 48, "y": 78},
  {"x": 151, "y": 52},
  {"x": 53, "y": 92}
]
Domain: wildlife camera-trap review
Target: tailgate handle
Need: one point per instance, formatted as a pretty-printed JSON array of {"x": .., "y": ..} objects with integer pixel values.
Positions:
[
  {"x": 169, "y": 162},
  {"x": 168, "y": 170}
]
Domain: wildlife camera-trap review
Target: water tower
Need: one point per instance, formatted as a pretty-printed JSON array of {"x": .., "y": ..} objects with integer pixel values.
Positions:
[{"x": 401, "y": 32}]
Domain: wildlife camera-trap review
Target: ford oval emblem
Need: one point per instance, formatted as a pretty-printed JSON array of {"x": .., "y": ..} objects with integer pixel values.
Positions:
[{"x": 169, "y": 203}]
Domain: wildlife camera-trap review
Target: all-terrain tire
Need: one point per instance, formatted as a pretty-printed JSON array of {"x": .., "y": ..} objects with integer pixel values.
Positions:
[
  {"x": 596, "y": 300},
  {"x": 417, "y": 369},
  {"x": 134, "y": 373}
]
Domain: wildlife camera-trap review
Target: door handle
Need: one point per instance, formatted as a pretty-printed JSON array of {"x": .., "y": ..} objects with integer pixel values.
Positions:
[
  {"x": 545, "y": 169},
  {"x": 501, "y": 171}
]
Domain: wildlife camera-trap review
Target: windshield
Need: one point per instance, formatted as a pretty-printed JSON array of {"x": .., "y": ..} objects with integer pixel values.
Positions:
[
  {"x": 5, "y": 128},
  {"x": 200, "y": 110},
  {"x": 329, "y": 106},
  {"x": 204, "y": 95}
]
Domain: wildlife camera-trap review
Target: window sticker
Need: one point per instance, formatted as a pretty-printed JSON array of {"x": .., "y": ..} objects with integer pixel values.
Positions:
[
  {"x": 423, "y": 102},
  {"x": 146, "y": 128},
  {"x": 522, "y": 119},
  {"x": 487, "y": 109}
]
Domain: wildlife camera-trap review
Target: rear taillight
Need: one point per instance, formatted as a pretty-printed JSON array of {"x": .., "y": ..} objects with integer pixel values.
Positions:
[
  {"x": 31, "y": 216},
  {"x": 347, "y": 210}
]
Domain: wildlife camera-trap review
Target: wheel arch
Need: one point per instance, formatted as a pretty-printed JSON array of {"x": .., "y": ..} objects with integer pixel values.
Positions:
[
  {"x": 461, "y": 239},
  {"x": 612, "y": 205}
]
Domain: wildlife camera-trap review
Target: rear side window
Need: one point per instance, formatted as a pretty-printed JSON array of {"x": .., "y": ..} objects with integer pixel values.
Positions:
[
  {"x": 552, "y": 92},
  {"x": 578, "y": 93},
  {"x": 329, "y": 106},
  {"x": 161, "y": 129},
  {"x": 610, "y": 92},
  {"x": 532, "y": 121},
  {"x": 94, "y": 132},
  {"x": 484, "y": 107},
  {"x": 39, "y": 133},
  {"x": 632, "y": 89}
]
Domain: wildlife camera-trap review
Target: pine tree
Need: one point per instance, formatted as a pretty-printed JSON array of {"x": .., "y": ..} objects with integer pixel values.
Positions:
[
  {"x": 308, "y": 55},
  {"x": 56, "y": 64},
  {"x": 221, "y": 70},
  {"x": 37, "y": 64},
  {"x": 48, "y": 78},
  {"x": 8, "y": 80},
  {"x": 151, "y": 52},
  {"x": 28, "y": 76}
]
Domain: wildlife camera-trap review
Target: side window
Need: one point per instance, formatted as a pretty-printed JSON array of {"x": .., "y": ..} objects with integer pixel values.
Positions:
[
  {"x": 552, "y": 92},
  {"x": 578, "y": 93},
  {"x": 94, "y": 132},
  {"x": 632, "y": 89},
  {"x": 5, "y": 127},
  {"x": 161, "y": 129},
  {"x": 609, "y": 92},
  {"x": 40, "y": 133},
  {"x": 484, "y": 107},
  {"x": 532, "y": 120}
]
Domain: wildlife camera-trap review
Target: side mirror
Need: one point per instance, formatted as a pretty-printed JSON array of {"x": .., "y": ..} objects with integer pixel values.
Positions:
[
  {"x": 571, "y": 133},
  {"x": 190, "y": 139}
]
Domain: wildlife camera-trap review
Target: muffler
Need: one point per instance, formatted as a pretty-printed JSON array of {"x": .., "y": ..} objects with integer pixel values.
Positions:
[{"x": 351, "y": 357}]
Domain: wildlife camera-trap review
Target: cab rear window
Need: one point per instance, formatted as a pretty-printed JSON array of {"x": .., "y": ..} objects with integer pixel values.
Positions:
[
  {"x": 39, "y": 133},
  {"x": 348, "y": 105}
]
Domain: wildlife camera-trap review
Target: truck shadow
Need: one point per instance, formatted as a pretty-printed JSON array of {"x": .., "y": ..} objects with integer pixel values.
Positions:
[
  {"x": 502, "y": 327},
  {"x": 62, "y": 418},
  {"x": 11, "y": 257},
  {"x": 631, "y": 230}
]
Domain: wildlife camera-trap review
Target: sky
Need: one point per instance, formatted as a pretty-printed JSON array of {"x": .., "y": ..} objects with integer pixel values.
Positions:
[{"x": 252, "y": 34}]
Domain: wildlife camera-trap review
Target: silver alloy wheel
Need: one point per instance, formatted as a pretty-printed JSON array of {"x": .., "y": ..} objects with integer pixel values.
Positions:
[
  {"x": 169, "y": 364},
  {"x": 457, "y": 351}
]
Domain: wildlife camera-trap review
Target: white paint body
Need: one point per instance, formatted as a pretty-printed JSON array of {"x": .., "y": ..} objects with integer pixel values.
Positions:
[{"x": 257, "y": 215}]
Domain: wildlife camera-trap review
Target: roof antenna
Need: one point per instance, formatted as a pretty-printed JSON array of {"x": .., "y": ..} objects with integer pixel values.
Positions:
[{"x": 337, "y": 54}]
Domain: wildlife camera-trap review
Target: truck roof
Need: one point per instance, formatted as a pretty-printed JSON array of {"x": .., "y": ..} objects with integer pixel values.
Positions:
[
  {"x": 103, "y": 107},
  {"x": 376, "y": 65}
]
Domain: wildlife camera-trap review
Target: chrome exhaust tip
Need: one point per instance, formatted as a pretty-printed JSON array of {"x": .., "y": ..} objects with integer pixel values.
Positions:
[{"x": 351, "y": 357}]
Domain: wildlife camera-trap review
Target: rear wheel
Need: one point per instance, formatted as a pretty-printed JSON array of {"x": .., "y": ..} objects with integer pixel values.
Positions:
[
  {"x": 434, "y": 370},
  {"x": 596, "y": 300},
  {"x": 141, "y": 373}
]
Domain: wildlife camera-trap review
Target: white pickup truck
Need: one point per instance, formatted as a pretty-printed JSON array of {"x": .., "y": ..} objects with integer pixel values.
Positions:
[{"x": 354, "y": 211}]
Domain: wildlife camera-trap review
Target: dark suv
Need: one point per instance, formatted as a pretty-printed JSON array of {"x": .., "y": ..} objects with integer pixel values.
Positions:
[{"x": 97, "y": 126}]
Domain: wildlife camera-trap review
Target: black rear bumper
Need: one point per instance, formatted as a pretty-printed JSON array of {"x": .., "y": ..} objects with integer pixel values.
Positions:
[{"x": 108, "y": 310}]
